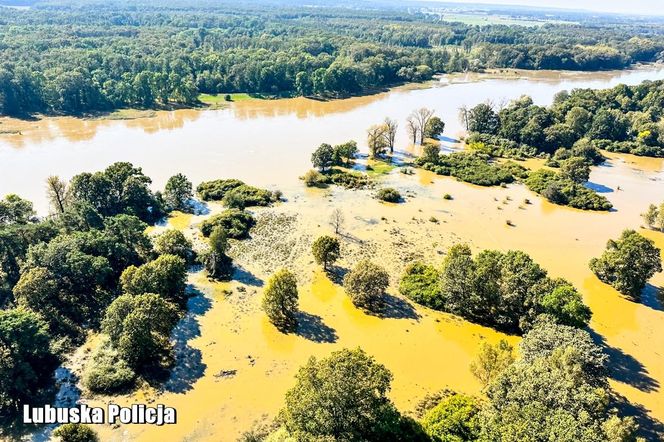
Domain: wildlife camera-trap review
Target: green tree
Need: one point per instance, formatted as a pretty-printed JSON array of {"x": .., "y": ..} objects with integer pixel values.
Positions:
[
  {"x": 483, "y": 119},
  {"x": 325, "y": 250},
  {"x": 457, "y": 278},
  {"x": 377, "y": 140},
  {"x": 26, "y": 360},
  {"x": 177, "y": 193},
  {"x": 434, "y": 128},
  {"x": 578, "y": 119},
  {"x": 341, "y": 397},
  {"x": 491, "y": 361},
  {"x": 565, "y": 304},
  {"x": 165, "y": 276},
  {"x": 430, "y": 153},
  {"x": 628, "y": 263},
  {"x": 217, "y": 263},
  {"x": 15, "y": 210},
  {"x": 75, "y": 433},
  {"x": 660, "y": 218},
  {"x": 173, "y": 242},
  {"x": 280, "y": 300},
  {"x": 323, "y": 157},
  {"x": 454, "y": 419},
  {"x": 366, "y": 284},
  {"x": 575, "y": 169},
  {"x": 139, "y": 327},
  {"x": 346, "y": 152}
]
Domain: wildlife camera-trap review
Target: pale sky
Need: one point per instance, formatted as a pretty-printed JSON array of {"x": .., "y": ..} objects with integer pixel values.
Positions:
[{"x": 647, "y": 7}]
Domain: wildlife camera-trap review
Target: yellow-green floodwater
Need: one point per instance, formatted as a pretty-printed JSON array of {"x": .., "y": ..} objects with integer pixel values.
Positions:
[{"x": 233, "y": 366}]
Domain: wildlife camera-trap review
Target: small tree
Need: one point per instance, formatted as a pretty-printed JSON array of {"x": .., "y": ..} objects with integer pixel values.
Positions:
[
  {"x": 431, "y": 153},
  {"x": 325, "y": 250},
  {"x": 366, "y": 284},
  {"x": 491, "y": 361},
  {"x": 323, "y": 157},
  {"x": 280, "y": 300},
  {"x": 660, "y": 218},
  {"x": 390, "y": 133},
  {"x": 178, "y": 192},
  {"x": 434, "y": 128},
  {"x": 628, "y": 263},
  {"x": 337, "y": 220},
  {"x": 346, "y": 152},
  {"x": 57, "y": 194},
  {"x": 650, "y": 216},
  {"x": 376, "y": 140},
  {"x": 217, "y": 263}
]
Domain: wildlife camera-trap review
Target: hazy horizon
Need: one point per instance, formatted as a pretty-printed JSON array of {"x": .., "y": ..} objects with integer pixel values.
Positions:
[{"x": 641, "y": 7}]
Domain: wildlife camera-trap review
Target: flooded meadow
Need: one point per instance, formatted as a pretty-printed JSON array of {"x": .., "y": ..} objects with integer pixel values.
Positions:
[{"x": 232, "y": 366}]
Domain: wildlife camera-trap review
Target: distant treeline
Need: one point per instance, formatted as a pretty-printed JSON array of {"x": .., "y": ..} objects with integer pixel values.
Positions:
[{"x": 79, "y": 57}]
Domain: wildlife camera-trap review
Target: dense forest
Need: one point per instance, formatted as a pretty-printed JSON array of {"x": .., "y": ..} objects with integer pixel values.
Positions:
[{"x": 69, "y": 57}]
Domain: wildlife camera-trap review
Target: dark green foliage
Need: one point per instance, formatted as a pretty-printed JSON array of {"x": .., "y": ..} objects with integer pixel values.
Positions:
[
  {"x": 325, "y": 250},
  {"x": 173, "y": 242},
  {"x": 366, "y": 284},
  {"x": 508, "y": 291},
  {"x": 26, "y": 360},
  {"x": 120, "y": 189},
  {"x": 107, "y": 372},
  {"x": 234, "y": 193},
  {"x": 314, "y": 178},
  {"x": 472, "y": 167},
  {"x": 217, "y": 263},
  {"x": 421, "y": 283},
  {"x": 177, "y": 193},
  {"x": 236, "y": 223},
  {"x": 563, "y": 191},
  {"x": 621, "y": 119},
  {"x": 139, "y": 328},
  {"x": 628, "y": 263},
  {"x": 76, "y": 433},
  {"x": 482, "y": 119},
  {"x": 165, "y": 276},
  {"x": 435, "y": 127},
  {"x": 323, "y": 157},
  {"x": 215, "y": 190},
  {"x": 280, "y": 300},
  {"x": 349, "y": 180},
  {"x": 389, "y": 195},
  {"x": 15, "y": 210},
  {"x": 341, "y": 397},
  {"x": 154, "y": 55},
  {"x": 554, "y": 393}
]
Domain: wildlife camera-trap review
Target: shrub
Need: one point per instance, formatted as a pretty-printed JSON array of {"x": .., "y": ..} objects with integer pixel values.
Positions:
[
  {"x": 107, "y": 372},
  {"x": 421, "y": 283},
  {"x": 314, "y": 178},
  {"x": 280, "y": 300},
  {"x": 473, "y": 167},
  {"x": 366, "y": 284},
  {"x": 563, "y": 191},
  {"x": 247, "y": 196},
  {"x": 235, "y": 222},
  {"x": 389, "y": 195},
  {"x": 447, "y": 196},
  {"x": 75, "y": 433},
  {"x": 455, "y": 418},
  {"x": 215, "y": 190}
]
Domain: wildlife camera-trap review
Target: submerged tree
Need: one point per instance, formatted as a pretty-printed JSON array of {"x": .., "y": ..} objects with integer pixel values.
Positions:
[
  {"x": 325, "y": 250},
  {"x": 628, "y": 263},
  {"x": 280, "y": 300},
  {"x": 178, "y": 192},
  {"x": 217, "y": 263},
  {"x": 366, "y": 284}
]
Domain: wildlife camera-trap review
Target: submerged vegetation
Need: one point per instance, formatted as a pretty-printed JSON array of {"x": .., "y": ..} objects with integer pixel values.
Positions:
[{"x": 508, "y": 291}]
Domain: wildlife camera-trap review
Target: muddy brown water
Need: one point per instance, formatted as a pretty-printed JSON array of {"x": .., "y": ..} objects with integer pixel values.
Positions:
[{"x": 233, "y": 366}]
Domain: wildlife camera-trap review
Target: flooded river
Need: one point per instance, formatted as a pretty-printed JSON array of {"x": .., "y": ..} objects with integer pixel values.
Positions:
[
  {"x": 233, "y": 366},
  {"x": 268, "y": 143}
]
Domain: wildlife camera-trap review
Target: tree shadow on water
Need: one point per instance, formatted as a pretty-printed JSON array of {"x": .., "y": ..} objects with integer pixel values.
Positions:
[
  {"x": 649, "y": 427},
  {"x": 189, "y": 366},
  {"x": 313, "y": 328},
  {"x": 625, "y": 368},
  {"x": 653, "y": 297},
  {"x": 336, "y": 274},
  {"x": 246, "y": 277},
  {"x": 397, "y": 308}
]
